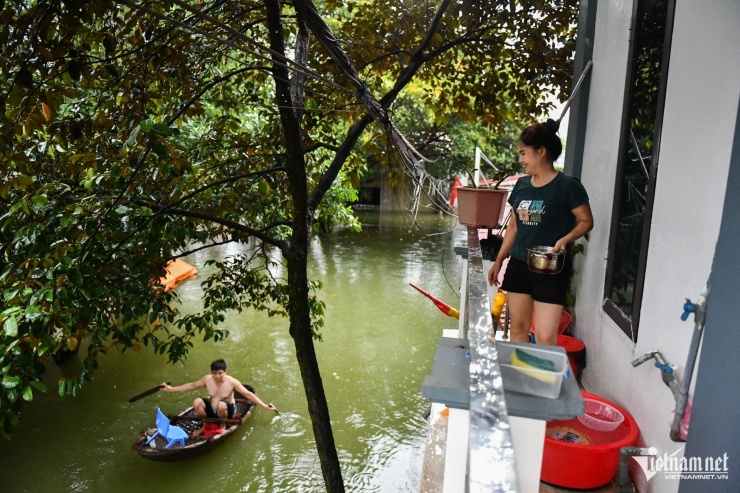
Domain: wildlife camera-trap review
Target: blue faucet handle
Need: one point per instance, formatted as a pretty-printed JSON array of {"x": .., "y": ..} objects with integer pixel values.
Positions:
[
  {"x": 688, "y": 308},
  {"x": 664, "y": 368}
]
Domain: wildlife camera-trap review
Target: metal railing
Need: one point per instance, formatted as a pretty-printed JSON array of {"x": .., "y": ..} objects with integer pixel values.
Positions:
[{"x": 491, "y": 464}]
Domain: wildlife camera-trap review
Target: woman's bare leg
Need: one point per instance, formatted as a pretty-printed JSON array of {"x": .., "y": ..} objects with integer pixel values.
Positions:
[
  {"x": 546, "y": 323},
  {"x": 520, "y": 308}
]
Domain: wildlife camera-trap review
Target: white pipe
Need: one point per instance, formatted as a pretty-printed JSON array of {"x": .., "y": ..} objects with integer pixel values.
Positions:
[
  {"x": 682, "y": 398},
  {"x": 476, "y": 175},
  {"x": 575, "y": 89}
]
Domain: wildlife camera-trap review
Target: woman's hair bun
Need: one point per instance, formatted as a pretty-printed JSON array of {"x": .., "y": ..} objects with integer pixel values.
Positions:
[
  {"x": 545, "y": 135},
  {"x": 552, "y": 125}
]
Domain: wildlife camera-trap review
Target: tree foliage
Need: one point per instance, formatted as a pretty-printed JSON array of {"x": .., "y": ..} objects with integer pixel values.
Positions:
[{"x": 132, "y": 132}]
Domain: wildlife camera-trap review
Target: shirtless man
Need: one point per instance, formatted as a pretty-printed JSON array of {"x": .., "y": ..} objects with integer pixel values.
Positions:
[{"x": 221, "y": 387}]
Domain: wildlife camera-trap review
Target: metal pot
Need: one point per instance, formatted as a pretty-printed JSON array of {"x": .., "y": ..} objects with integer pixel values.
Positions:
[{"x": 542, "y": 260}]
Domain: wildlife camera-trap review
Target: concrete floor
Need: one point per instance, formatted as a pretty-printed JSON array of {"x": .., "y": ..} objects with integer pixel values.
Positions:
[{"x": 433, "y": 469}]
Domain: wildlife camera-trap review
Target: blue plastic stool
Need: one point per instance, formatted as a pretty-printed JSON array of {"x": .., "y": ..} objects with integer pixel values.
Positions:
[{"x": 173, "y": 434}]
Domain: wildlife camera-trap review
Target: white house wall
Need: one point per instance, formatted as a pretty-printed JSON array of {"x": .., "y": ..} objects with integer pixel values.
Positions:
[{"x": 698, "y": 127}]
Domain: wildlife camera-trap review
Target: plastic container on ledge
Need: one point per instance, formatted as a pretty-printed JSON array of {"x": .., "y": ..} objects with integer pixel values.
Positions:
[{"x": 530, "y": 380}]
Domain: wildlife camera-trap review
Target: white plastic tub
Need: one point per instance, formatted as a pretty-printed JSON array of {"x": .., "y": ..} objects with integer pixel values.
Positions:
[{"x": 529, "y": 380}]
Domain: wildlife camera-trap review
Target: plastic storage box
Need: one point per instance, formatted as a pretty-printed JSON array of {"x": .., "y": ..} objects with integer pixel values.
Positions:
[{"x": 533, "y": 381}]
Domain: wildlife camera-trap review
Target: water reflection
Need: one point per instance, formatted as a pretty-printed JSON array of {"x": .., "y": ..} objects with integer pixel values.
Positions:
[{"x": 379, "y": 342}]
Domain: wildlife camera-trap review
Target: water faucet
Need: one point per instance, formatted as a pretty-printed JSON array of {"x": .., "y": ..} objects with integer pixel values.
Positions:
[
  {"x": 666, "y": 370},
  {"x": 645, "y": 357}
]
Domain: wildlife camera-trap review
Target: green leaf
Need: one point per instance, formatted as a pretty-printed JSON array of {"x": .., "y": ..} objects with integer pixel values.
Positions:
[
  {"x": 73, "y": 67},
  {"x": 263, "y": 187},
  {"x": 162, "y": 129},
  {"x": 27, "y": 394},
  {"x": 109, "y": 43},
  {"x": 10, "y": 327},
  {"x": 25, "y": 77},
  {"x": 39, "y": 201},
  {"x": 160, "y": 150},
  {"x": 132, "y": 138},
  {"x": 10, "y": 382},
  {"x": 38, "y": 385},
  {"x": 570, "y": 299},
  {"x": 112, "y": 70},
  {"x": 12, "y": 418}
]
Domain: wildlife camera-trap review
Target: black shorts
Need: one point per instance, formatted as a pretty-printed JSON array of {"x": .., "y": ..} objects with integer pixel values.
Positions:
[
  {"x": 211, "y": 413},
  {"x": 545, "y": 288}
]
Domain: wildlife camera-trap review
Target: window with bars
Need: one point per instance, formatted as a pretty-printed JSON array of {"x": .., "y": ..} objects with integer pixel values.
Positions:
[{"x": 638, "y": 164}]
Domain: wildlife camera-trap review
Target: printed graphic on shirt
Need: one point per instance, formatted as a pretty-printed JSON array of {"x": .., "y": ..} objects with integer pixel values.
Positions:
[{"x": 530, "y": 211}]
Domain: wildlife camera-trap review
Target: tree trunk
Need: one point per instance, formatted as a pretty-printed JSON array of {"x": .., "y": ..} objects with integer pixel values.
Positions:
[
  {"x": 318, "y": 409},
  {"x": 297, "y": 256}
]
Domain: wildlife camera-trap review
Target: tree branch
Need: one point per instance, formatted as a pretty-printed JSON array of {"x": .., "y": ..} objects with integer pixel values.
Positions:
[
  {"x": 205, "y": 88},
  {"x": 417, "y": 60},
  {"x": 229, "y": 180},
  {"x": 288, "y": 117},
  {"x": 259, "y": 234},
  {"x": 204, "y": 247},
  {"x": 319, "y": 145},
  {"x": 277, "y": 57}
]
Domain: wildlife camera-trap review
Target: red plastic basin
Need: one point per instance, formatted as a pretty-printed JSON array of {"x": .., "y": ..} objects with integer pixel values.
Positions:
[
  {"x": 577, "y": 457},
  {"x": 576, "y": 351}
]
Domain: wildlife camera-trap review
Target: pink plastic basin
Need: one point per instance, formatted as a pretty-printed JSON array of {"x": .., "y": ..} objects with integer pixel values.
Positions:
[
  {"x": 600, "y": 416},
  {"x": 578, "y": 457}
]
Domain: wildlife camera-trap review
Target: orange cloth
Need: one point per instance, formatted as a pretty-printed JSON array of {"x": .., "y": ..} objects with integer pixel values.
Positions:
[
  {"x": 177, "y": 270},
  {"x": 211, "y": 429},
  {"x": 453, "y": 194}
]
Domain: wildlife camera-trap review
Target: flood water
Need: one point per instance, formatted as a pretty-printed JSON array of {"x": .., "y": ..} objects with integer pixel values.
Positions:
[{"x": 379, "y": 343}]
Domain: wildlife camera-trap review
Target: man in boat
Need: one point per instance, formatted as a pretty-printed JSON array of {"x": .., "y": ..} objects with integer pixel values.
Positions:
[{"x": 221, "y": 403}]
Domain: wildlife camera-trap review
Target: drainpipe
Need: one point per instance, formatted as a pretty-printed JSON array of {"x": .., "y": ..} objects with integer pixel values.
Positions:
[
  {"x": 699, "y": 311},
  {"x": 681, "y": 392},
  {"x": 624, "y": 485}
]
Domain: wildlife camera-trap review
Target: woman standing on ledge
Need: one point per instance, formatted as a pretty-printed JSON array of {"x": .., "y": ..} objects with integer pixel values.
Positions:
[{"x": 551, "y": 209}]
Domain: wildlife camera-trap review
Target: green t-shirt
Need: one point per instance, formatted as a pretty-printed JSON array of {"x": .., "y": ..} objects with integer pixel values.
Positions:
[{"x": 543, "y": 214}]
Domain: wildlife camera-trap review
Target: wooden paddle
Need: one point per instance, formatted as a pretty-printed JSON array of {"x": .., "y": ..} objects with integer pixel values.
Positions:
[
  {"x": 204, "y": 419},
  {"x": 250, "y": 402},
  {"x": 147, "y": 392}
]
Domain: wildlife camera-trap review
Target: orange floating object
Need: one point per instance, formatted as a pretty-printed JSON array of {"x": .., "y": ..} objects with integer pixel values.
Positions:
[
  {"x": 177, "y": 270},
  {"x": 443, "y": 307},
  {"x": 499, "y": 299}
]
